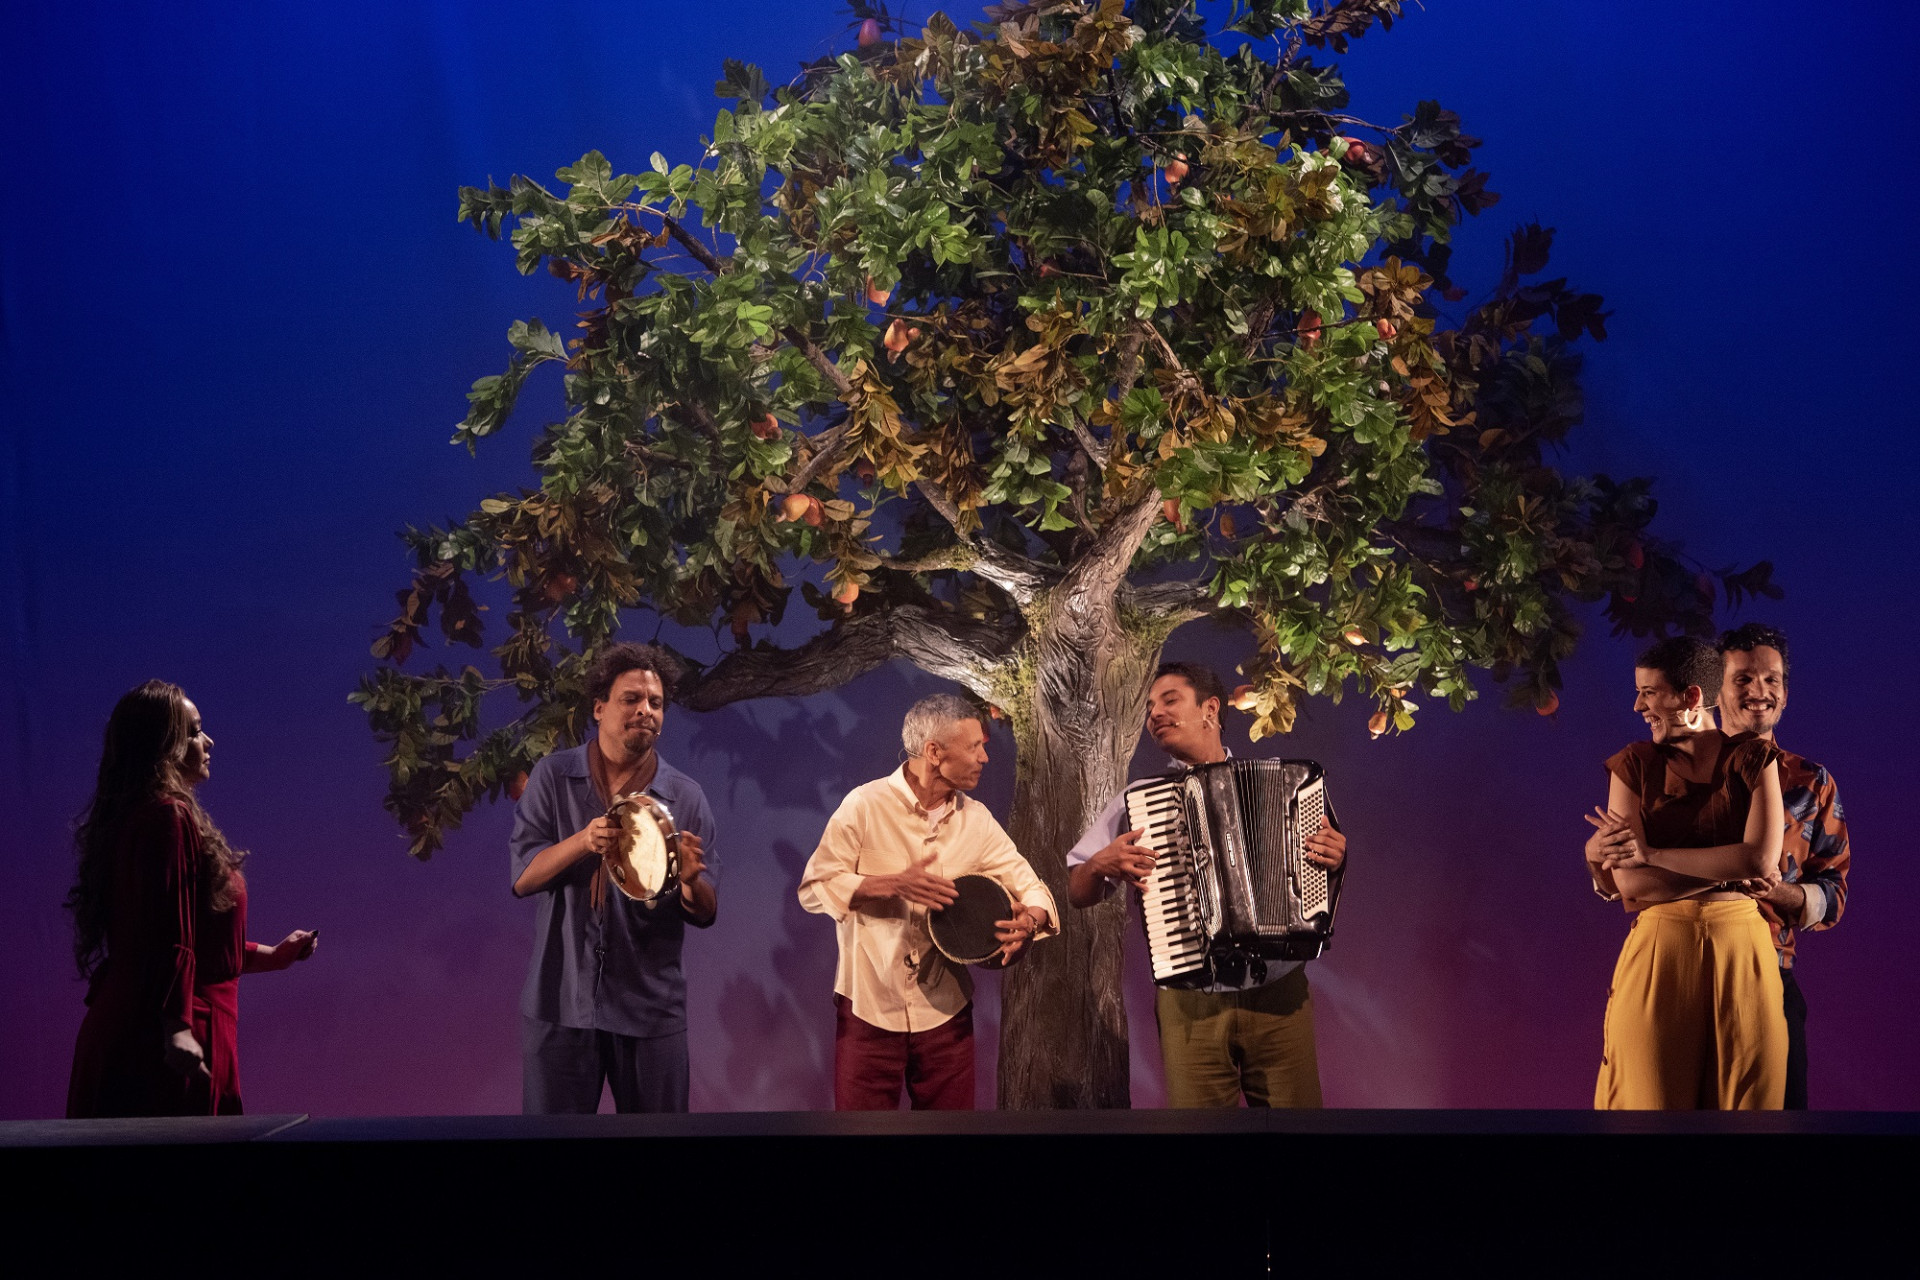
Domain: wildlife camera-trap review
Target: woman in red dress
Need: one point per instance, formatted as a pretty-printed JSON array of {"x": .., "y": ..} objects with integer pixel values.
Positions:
[{"x": 160, "y": 919}]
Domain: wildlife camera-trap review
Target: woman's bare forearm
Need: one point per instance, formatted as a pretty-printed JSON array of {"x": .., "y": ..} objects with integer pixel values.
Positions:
[
  {"x": 1647, "y": 886},
  {"x": 1716, "y": 862}
]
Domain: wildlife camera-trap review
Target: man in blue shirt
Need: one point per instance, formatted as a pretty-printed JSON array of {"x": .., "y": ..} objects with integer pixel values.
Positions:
[{"x": 605, "y": 999}]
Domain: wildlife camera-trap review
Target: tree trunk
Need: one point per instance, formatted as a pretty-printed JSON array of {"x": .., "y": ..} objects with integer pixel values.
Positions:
[{"x": 1063, "y": 1034}]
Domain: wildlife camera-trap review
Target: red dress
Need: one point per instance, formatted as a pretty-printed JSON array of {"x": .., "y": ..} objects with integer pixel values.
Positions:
[{"x": 170, "y": 958}]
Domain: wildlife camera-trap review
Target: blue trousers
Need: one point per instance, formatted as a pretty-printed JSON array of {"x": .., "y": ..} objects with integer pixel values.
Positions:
[{"x": 562, "y": 1069}]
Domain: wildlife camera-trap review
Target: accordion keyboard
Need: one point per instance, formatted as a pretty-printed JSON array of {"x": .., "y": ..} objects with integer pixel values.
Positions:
[{"x": 1170, "y": 904}]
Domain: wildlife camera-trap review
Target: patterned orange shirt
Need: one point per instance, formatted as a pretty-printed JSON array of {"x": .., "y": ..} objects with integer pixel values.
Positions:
[{"x": 1813, "y": 852}]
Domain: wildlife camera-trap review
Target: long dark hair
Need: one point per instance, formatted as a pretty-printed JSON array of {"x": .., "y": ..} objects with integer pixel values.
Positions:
[{"x": 146, "y": 744}]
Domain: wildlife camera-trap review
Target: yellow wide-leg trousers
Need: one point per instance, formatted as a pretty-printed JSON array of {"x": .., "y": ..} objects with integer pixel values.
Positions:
[{"x": 1694, "y": 1019}]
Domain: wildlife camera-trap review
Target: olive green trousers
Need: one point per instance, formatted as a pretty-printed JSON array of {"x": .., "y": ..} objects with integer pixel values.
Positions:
[{"x": 1218, "y": 1046}]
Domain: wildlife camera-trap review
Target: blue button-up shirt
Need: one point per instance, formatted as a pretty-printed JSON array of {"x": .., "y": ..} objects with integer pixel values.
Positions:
[{"x": 618, "y": 968}]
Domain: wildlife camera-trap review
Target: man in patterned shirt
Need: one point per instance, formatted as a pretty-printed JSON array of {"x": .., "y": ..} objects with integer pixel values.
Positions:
[{"x": 1812, "y": 889}]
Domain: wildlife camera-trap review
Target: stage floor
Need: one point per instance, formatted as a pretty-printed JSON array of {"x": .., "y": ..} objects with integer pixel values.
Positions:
[
  {"x": 1203, "y": 1126},
  {"x": 1214, "y": 1193}
]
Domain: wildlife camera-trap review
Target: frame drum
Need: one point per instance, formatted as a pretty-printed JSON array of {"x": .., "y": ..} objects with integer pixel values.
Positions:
[
  {"x": 963, "y": 932},
  {"x": 645, "y": 862}
]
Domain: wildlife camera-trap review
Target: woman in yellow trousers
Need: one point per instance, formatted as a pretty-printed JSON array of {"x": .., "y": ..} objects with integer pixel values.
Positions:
[{"x": 1690, "y": 833}]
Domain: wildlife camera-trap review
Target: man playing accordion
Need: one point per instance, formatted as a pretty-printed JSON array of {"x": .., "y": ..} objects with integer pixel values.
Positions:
[{"x": 1217, "y": 1043}]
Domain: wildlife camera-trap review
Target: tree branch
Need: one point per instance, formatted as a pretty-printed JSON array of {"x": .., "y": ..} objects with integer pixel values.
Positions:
[
  {"x": 644, "y": 454},
  {"x": 1130, "y": 360},
  {"x": 1087, "y": 594},
  {"x": 1174, "y": 602},
  {"x": 1312, "y": 505},
  {"x": 957, "y": 648},
  {"x": 1166, "y": 348},
  {"x": 937, "y": 498},
  {"x": 702, "y": 419},
  {"x": 952, "y": 646},
  {"x": 828, "y": 443},
  {"x": 1015, "y": 574},
  {"x": 701, "y": 254},
  {"x": 1258, "y": 322},
  {"x": 705, "y": 257},
  {"x": 1095, "y": 454},
  {"x": 1077, "y": 497},
  {"x": 709, "y": 428},
  {"x": 1282, "y": 65},
  {"x": 958, "y": 555},
  {"x": 818, "y": 359},
  {"x": 828, "y": 446}
]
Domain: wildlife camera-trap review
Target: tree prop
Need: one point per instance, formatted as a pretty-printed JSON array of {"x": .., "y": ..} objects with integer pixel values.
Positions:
[{"x": 1011, "y": 349}]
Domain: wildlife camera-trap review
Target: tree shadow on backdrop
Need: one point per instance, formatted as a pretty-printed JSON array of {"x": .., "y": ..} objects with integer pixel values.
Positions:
[{"x": 779, "y": 1023}]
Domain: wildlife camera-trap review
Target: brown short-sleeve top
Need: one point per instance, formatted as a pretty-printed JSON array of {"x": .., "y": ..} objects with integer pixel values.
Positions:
[{"x": 1679, "y": 814}]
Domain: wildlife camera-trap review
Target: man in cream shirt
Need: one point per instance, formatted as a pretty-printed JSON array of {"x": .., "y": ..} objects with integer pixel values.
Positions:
[{"x": 887, "y": 858}]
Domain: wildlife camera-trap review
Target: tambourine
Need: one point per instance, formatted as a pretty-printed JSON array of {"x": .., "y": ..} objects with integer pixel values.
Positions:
[
  {"x": 645, "y": 862},
  {"x": 963, "y": 930}
]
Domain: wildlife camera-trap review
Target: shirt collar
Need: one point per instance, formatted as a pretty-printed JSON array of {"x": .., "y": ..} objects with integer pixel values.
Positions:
[
  {"x": 1181, "y": 764},
  {"x": 574, "y": 762},
  {"x": 897, "y": 780}
]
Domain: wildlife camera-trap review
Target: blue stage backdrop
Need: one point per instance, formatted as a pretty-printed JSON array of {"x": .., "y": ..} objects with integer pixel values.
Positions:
[{"x": 237, "y": 318}]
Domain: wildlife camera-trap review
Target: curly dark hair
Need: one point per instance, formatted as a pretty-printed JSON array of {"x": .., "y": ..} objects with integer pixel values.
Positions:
[
  {"x": 1205, "y": 683},
  {"x": 145, "y": 745},
  {"x": 1684, "y": 661},
  {"x": 1749, "y": 636},
  {"x": 617, "y": 659}
]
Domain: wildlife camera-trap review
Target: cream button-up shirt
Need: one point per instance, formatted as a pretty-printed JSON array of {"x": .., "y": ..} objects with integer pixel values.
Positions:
[{"x": 889, "y": 969}]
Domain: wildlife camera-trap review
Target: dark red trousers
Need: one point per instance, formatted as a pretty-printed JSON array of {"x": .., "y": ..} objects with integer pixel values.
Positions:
[{"x": 869, "y": 1064}]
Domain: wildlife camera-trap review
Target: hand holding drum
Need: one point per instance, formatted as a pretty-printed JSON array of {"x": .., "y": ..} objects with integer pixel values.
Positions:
[
  {"x": 1017, "y": 934},
  {"x": 983, "y": 925},
  {"x": 643, "y": 855}
]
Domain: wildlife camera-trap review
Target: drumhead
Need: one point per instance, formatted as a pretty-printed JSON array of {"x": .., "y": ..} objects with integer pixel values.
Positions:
[
  {"x": 643, "y": 863},
  {"x": 964, "y": 931}
]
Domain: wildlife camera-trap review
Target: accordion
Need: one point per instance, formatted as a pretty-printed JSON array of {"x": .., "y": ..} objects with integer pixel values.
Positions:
[{"x": 1231, "y": 887}]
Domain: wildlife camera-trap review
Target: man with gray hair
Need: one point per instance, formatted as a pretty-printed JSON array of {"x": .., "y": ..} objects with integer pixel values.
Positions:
[{"x": 904, "y": 1013}]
